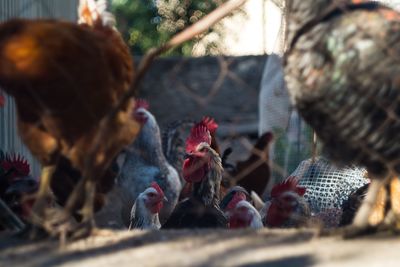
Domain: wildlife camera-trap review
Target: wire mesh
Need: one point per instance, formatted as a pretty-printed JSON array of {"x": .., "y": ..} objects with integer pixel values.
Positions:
[
  {"x": 328, "y": 186},
  {"x": 206, "y": 92}
]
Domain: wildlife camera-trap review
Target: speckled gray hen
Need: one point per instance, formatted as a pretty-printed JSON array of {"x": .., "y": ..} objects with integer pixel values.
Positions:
[{"x": 142, "y": 163}]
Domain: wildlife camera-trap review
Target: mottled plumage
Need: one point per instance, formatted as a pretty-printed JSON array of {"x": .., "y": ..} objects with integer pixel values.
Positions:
[
  {"x": 201, "y": 209},
  {"x": 342, "y": 77},
  {"x": 144, "y": 162},
  {"x": 173, "y": 143},
  {"x": 342, "y": 72}
]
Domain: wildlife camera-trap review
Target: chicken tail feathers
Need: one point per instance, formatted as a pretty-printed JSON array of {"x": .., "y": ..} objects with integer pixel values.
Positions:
[
  {"x": 95, "y": 12},
  {"x": 173, "y": 140}
]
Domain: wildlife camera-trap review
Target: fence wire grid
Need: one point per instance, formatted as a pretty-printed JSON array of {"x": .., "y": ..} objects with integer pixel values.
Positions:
[{"x": 230, "y": 89}]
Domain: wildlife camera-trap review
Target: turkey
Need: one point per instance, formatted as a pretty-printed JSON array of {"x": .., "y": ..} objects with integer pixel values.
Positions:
[
  {"x": 144, "y": 162},
  {"x": 203, "y": 169},
  {"x": 341, "y": 70}
]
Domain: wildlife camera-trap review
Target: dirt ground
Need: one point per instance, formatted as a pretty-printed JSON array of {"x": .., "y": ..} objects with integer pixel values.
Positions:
[{"x": 278, "y": 248}]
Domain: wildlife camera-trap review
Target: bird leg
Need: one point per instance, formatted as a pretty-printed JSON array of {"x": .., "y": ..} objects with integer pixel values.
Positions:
[
  {"x": 42, "y": 196},
  {"x": 392, "y": 218},
  {"x": 362, "y": 216},
  {"x": 64, "y": 226},
  {"x": 61, "y": 223},
  {"x": 361, "y": 223},
  {"x": 87, "y": 211},
  {"x": 38, "y": 214}
]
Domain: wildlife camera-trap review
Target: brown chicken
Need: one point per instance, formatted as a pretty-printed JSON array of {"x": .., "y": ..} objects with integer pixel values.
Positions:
[{"x": 65, "y": 78}]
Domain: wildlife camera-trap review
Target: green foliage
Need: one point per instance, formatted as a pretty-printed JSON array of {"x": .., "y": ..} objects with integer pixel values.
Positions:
[{"x": 149, "y": 23}]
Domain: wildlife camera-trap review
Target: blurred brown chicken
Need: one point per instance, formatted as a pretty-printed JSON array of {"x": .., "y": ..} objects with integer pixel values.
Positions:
[
  {"x": 254, "y": 173},
  {"x": 65, "y": 78}
]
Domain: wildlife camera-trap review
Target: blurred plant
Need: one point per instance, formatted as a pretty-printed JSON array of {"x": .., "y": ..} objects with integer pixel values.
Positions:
[{"x": 149, "y": 23}]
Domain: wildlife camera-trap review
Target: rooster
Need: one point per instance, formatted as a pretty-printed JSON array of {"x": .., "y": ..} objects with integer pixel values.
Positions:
[
  {"x": 286, "y": 206},
  {"x": 65, "y": 78},
  {"x": 17, "y": 186},
  {"x": 144, "y": 213},
  {"x": 144, "y": 162},
  {"x": 203, "y": 170},
  {"x": 342, "y": 75},
  {"x": 174, "y": 148}
]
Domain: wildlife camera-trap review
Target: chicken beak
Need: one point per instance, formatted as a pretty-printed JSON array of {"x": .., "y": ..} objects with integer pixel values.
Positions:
[{"x": 165, "y": 199}]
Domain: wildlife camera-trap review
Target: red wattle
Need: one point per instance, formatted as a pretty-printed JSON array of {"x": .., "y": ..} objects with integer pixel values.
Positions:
[
  {"x": 156, "y": 208},
  {"x": 193, "y": 170},
  {"x": 275, "y": 216}
]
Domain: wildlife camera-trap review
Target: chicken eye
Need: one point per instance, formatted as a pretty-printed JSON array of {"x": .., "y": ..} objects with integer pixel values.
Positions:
[{"x": 151, "y": 194}]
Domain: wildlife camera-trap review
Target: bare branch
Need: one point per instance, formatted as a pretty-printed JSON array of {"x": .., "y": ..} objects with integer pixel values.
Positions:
[{"x": 181, "y": 37}]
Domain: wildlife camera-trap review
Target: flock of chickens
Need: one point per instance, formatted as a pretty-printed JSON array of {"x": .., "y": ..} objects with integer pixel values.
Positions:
[{"x": 341, "y": 69}]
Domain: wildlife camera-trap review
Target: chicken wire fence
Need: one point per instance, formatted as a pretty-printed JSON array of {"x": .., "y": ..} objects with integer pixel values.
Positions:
[
  {"x": 59, "y": 9},
  {"x": 328, "y": 186},
  {"x": 246, "y": 95}
]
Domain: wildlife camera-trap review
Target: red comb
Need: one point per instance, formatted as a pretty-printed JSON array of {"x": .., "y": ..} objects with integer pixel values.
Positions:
[
  {"x": 141, "y": 103},
  {"x": 210, "y": 123},
  {"x": 18, "y": 162},
  {"x": 157, "y": 188},
  {"x": 290, "y": 184},
  {"x": 198, "y": 134},
  {"x": 239, "y": 196}
]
